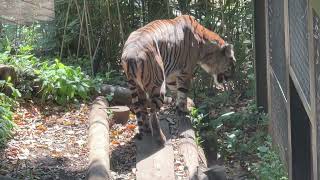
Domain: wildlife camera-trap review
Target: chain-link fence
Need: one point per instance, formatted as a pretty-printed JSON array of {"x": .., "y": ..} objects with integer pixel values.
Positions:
[
  {"x": 26, "y": 12},
  {"x": 292, "y": 34}
]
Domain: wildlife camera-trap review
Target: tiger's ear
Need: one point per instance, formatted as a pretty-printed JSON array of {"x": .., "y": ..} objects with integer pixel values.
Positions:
[{"x": 227, "y": 50}]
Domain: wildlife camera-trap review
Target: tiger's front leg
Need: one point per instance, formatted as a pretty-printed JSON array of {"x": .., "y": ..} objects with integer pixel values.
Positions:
[{"x": 183, "y": 84}]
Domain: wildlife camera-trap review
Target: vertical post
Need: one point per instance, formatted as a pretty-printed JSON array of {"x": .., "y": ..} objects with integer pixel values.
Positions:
[
  {"x": 289, "y": 84},
  {"x": 315, "y": 8},
  {"x": 313, "y": 91},
  {"x": 260, "y": 63}
]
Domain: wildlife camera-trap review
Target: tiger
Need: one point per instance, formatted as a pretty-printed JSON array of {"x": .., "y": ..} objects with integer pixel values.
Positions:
[{"x": 163, "y": 54}]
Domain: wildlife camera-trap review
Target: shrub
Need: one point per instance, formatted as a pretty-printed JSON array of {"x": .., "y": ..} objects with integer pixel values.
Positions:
[
  {"x": 62, "y": 83},
  {"x": 269, "y": 166},
  {"x": 6, "y": 104}
]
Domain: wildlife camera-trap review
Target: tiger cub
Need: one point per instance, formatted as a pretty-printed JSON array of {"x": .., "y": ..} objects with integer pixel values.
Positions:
[{"x": 164, "y": 53}]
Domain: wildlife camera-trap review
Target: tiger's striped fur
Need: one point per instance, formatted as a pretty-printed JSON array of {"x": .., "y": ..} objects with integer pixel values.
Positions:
[{"x": 165, "y": 53}]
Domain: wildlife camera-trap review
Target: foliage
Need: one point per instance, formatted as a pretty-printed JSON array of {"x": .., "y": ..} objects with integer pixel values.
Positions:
[
  {"x": 6, "y": 104},
  {"x": 198, "y": 120},
  {"x": 57, "y": 81},
  {"x": 112, "y": 76},
  {"x": 6, "y": 123},
  {"x": 240, "y": 135},
  {"x": 270, "y": 166},
  {"x": 37, "y": 37},
  {"x": 62, "y": 83}
]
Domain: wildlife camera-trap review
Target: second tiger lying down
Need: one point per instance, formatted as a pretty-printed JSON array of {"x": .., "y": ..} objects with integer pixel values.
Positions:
[{"x": 165, "y": 53}]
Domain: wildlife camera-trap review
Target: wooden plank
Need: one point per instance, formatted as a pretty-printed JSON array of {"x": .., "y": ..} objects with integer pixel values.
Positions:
[{"x": 155, "y": 162}]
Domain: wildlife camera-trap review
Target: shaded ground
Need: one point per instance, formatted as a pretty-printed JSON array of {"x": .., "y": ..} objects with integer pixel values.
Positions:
[{"x": 51, "y": 143}]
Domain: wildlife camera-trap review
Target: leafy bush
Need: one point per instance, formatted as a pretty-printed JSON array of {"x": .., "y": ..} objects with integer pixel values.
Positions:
[
  {"x": 240, "y": 136},
  {"x": 6, "y": 104},
  {"x": 52, "y": 80},
  {"x": 269, "y": 166},
  {"x": 6, "y": 123},
  {"x": 63, "y": 83}
]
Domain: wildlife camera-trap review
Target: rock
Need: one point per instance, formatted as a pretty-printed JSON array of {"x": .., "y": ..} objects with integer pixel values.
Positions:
[{"x": 7, "y": 71}]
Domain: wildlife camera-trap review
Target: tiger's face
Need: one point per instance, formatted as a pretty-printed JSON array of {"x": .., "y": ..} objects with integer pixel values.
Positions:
[{"x": 219, "y": 62}]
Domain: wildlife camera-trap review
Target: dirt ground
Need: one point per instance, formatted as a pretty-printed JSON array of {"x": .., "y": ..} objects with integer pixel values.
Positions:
[{"x": 50, "y": 142}]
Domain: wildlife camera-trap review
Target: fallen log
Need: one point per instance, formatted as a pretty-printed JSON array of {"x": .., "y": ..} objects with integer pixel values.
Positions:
[
  {"x": 189, "y": 149},
  {"x": 98, "y": 141},
  {"x": 121, "y": 95},
  {"x": 194, "y": 156},
  {"x": 153, "y": 161}
]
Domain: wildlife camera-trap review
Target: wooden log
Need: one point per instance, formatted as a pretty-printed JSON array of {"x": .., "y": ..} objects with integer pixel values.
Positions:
[
  {"x": 120, "y": 114},
  {"x": 193, "y": 154},
  {"x": 98, "y": 141},
  {"x": 122, "y": 95},
  {"x": 154, "y": 161},
  {"x": 188, "y": 147}
]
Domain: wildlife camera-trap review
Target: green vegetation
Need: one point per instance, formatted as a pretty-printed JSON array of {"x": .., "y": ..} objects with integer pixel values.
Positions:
[
  {"x": 62, "y": 83},
  {"x": 53, "y": 80},
  {"x": 6, "y": 106},
  {"x": 241, "y": 136}
]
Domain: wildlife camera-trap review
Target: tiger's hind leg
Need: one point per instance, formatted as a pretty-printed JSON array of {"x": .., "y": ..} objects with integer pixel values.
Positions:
[
  {"x": 157, "y": 100},
  {"x": 139, "y": 107}
]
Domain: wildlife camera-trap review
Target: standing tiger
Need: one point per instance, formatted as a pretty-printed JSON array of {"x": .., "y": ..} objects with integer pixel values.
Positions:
[{"x": 164, "y": 53}]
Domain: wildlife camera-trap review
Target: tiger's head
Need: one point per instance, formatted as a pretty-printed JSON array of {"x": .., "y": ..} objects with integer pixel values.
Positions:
[{"x": 218, "y": 61}]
